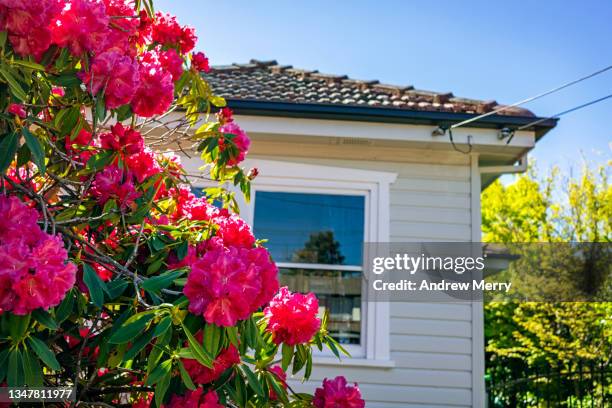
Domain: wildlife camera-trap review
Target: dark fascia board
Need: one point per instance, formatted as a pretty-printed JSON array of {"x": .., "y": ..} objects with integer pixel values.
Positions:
[{"x": 383, "y": 115}]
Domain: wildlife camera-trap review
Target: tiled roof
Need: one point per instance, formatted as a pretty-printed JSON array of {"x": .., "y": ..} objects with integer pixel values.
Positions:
[{"x": 270, "y": 82}]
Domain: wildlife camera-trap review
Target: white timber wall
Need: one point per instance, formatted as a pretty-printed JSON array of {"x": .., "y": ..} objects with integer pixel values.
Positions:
[{"x": 436, "y": 362}]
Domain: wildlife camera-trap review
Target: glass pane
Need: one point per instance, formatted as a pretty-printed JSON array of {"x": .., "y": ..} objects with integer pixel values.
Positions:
[
  {"x": 311, "y": 228},
  {"x": 337, "y": 291}
]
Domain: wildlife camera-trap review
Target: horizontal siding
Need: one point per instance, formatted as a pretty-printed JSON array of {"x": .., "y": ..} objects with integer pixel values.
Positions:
[
  {"x": 432, "y": 361},
  {"x": 430, "y": 344},
  {"x": 397, "y": 376},
  {"x": 381, "y": 393},
  {"x": 426, "y": 327},
  {"x": 454, "y": 311}
]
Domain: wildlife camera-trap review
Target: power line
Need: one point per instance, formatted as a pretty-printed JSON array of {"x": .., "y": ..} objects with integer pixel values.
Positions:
[
  {"x": 535, "y": 122},
  {"x": 532, "y": 98},
  {"x": 584, "y": 105}
]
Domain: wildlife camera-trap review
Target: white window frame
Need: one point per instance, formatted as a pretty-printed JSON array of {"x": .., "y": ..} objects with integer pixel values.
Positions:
[{"x": 290, "y": 177}]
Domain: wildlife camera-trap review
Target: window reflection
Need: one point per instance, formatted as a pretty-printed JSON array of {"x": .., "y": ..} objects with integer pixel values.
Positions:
[{"x": 311, "y": 228}]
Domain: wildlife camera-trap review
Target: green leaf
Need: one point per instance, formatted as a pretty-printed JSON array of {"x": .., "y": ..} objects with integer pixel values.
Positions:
[
  {"x": 232, "y": 334},
  {"x": 138, "y": 346},
  {"x": 15, "y": 377},
  {"x": 158, "y": 350},
  {"x": 100, "y": 160},
  {"x": 212, "y": 335},
  {"x": 67, "y": 79},
  {"x": 29, "y": 64},
  {"x": 23, "y": 155},
  {"x": 308, "y": 370},
  {"x": 95, "y": 285},
  {"x": 280, "y": 392},
  {"x": 218, "y": 101},
  {"x": 162, "y": 281},
  {"x": 287, "y": 356},
  {"x": 164, "y": 368},
  {"x": 18, "y": 325},
  {"x": 65, "y": 308},
  {"x": 162, "y": 326},
  {"x": 66, "y": 120},
  {"x": 162, "y": 387},
  {"x": 32, "y": 370},
  {"x": 116, "y": 287},
  {"x": 8, "y": 148},
  {"x": 45, "y": 319},
  {"x": 253, "y": 381},
  {"x": 36, "y": 149},
  {"x": 44, "y": 353},
  {"x": 196, "y": 348},
  {"x": 14, "y": 85},
  {"x": 185, "y": 377},
  {"x": 3, "y": 366},
  {"x": 181, "y": 250},
  {"x": 133, "y": 327}
]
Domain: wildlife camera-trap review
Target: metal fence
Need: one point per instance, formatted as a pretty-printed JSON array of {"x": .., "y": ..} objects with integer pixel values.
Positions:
[{"x": 583, "y": 384}]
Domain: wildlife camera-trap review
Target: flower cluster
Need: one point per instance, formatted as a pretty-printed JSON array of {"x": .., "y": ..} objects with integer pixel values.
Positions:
[
  {"x": 236, "y": 140},
  {"x": 118, "y": 183},
  {"x": 195, "y": 399},
  {"x": 292, "y": 317},
  {"x": 113, "y": 32},
  {"x": 33, "y": 269},
  {"x": 336, "y": 393},
  {"x": 228, "y": 284},
  {"x": 201, "y": 374},
  {"x": 28, "y": 24}
]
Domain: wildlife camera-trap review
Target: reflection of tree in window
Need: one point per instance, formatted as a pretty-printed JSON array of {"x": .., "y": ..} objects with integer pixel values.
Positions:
[{"x": 321, "y": 248}]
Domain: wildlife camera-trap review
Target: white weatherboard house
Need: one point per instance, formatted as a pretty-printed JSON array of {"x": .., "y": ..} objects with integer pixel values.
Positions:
[{"x": 343, "y": 162}]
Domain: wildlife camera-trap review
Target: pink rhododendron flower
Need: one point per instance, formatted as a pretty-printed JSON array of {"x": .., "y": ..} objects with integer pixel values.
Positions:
[
  {"x": 232, "y": 229},
  {"x": 77, "y": 148},
  {"x": 225, "y": 115},
  {"x": 281, "y": 375},
  {"x": 82, "y": 26},
  {"x": 172, "y": 62},
  {"x": 292, "y": 317},
  {"x": 336, "y": 393},
  {"x": 239, "y": 138},
  {"x": 122, "y": 138},
  {"x": 27, "y": 23},
  {"x": 34, "y": 272},
  {"x": 143, "y": 164},
  {"x": 201, "y": 374},
  {"x": 117, "y": 74},
  {"x": 113, "y": 183},
  {"x": 58, "y": 91},
  {"x": 195, "y": 399},
  {"x": 17, "y": 109},
  {"x": 167, "y": 31},
  {"x": 199, "y": 62},
  {"x": 123, "y": 28},
  {"x": 156, "y": 90},
  {"x": 227, "y": 284}
]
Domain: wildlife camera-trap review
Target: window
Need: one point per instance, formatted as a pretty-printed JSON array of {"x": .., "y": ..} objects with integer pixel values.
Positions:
[
  {"x": 316, "y": 240},
  {"x": 316, "y": 219}
]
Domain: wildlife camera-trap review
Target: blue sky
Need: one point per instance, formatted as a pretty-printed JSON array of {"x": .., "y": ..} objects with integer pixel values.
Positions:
[{"x": 488, "y": 50}]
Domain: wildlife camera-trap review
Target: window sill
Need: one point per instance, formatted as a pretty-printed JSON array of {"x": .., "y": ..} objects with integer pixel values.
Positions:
[{"x": 352, "y": 362}]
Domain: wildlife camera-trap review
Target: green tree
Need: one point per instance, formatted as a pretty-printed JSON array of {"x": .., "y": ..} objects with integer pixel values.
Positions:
[{"x": 521, "y": 337}]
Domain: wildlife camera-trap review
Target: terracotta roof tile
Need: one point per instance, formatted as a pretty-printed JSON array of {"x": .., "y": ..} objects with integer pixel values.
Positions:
[{"x": 269, "y": 81}]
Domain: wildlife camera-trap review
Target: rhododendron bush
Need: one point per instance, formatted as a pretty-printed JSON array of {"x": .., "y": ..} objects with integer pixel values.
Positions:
[{"x": 115, "y": 276}]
